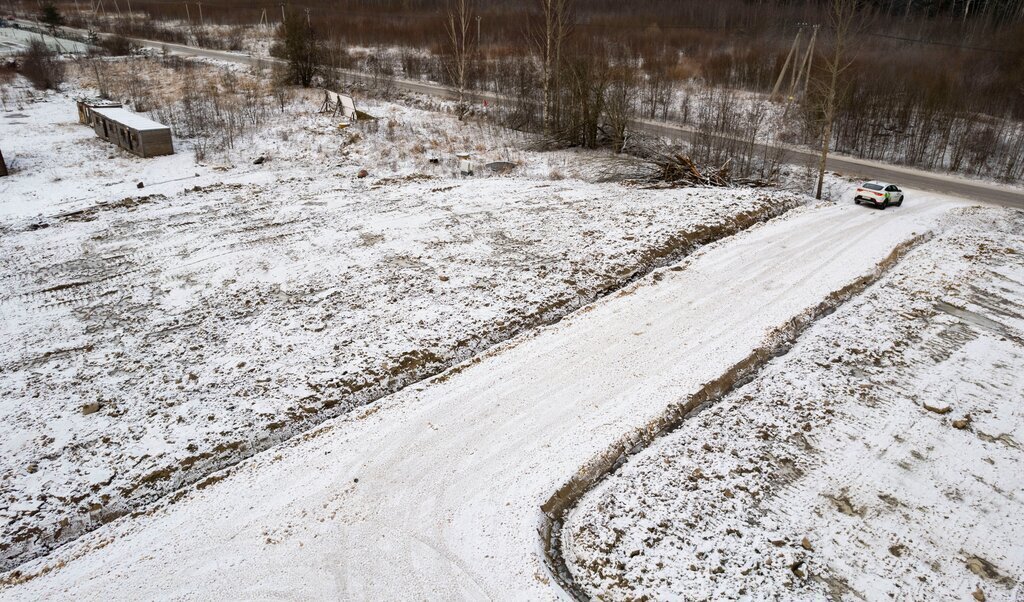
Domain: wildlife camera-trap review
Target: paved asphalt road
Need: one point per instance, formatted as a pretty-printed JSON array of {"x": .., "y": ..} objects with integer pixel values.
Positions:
[{"x": 849, "y": 166}]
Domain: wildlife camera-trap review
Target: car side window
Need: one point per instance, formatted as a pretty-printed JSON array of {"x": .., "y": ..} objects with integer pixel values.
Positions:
[
  {"x": 896, "y": 189},
  {"x": 890, "y": 189}
]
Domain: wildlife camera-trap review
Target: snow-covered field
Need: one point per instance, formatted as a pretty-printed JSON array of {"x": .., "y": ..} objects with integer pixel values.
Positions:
[
  {"x": 153, "y": 336},
  {"x": 436, "y": 492},
  {"x": 879, "y": 459}
]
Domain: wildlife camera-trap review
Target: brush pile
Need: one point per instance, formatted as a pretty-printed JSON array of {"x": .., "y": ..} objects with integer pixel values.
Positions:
[
  {"x": 678, "y": 169},
  {"x": 656, "y": 164}
]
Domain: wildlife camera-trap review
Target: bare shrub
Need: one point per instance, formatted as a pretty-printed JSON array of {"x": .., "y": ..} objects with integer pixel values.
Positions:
[
  {"x": 334, "y": 57},
  {"x": 138, "y": 90},
  {"x": 98, "y": 69},
  {"x": 42, "y": 66},
  {"x": 458, "y": 27},
  {"x": 117, "y": 45},
  {"x": 414, "y": 63},
  {"x": 280, "y": 88},
  {"x": 657, "y": 88},
  {"x": 8, "y": 69},
  {"x": 297, "y": 43},
  {"x": 235, "y": 39},
  {"x": 382, "y": 72}
]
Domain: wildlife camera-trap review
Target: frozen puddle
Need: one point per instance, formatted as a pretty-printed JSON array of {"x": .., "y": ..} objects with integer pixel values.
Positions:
[{"x": 435, "y": 492}]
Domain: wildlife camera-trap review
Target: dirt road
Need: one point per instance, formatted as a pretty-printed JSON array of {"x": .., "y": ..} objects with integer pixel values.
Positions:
[{"x": 435, "y": 492}]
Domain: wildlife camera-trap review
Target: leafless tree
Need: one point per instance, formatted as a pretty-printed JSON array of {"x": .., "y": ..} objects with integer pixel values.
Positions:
[
  {"x": 620, "y": 103},
  {"x": 382, "y": 72},
  {"x": 656, "y": 94},
  {"x": 458, "y": 21},
  {"x": 297, "y": 43},
  {"x": 842, "y": 16},
  {"x": 553, "y": 29}
]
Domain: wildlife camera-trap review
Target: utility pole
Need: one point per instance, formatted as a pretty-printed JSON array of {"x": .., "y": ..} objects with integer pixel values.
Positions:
[
  {"x": 201, "y": 23},
  {"x": 188, "y": 15},
  {"x": 810, "y": 60},
  {"x": 263, "y": 18},
  {"x": 282, "y": 12},
  {"x": 785, "y": 66},
  {"x": 805, "y": 65},
  {"x": 478, "y": 35},
  {"x": 802, "y": 73},
  {"x": 308, "y": 22}
]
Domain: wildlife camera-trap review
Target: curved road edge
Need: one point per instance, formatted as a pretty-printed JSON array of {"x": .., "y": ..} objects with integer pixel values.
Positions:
[{"x": 561, "y": 503}]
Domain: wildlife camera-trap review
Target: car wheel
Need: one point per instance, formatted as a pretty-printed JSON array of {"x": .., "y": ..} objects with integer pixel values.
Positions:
[
  {"x": 884, "y": 204},
  {"x": 900, "y": 204},
  {"x": 856, "y": 201}
]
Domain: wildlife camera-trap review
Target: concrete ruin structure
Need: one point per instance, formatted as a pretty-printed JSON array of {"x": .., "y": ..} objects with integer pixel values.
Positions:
[{"x": 132, "y": 132}]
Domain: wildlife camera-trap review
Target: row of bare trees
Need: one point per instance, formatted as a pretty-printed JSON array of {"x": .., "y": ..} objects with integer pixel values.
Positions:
[{"x": 568, "y": 74}]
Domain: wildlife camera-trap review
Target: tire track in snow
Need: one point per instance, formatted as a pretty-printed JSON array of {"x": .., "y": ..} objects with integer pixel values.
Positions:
[
  {"x": 465, "y": 461},
  {"x": 777, "y": 343},
  {"x": 213, "y": 243}
]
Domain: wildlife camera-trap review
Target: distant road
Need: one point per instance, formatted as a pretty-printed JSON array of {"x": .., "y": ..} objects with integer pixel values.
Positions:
[{"x": 848, "y": 166}]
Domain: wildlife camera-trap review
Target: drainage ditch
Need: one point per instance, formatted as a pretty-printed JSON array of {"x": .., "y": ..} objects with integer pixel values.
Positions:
[{"x": 777, "y": 343}]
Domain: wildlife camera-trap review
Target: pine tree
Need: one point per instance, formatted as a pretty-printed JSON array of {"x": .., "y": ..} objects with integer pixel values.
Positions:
[{"x": 51, "y": 17}]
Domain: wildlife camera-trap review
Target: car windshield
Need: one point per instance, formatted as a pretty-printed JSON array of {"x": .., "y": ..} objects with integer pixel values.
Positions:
[{"x": 870, "y": 186}]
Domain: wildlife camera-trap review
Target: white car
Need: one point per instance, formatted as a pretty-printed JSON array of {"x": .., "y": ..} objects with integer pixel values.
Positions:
[{"x": 879, "y": 194}]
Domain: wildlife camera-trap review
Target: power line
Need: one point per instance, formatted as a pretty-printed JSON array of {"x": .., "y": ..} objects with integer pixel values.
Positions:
[{"x": 979, "y": 48}]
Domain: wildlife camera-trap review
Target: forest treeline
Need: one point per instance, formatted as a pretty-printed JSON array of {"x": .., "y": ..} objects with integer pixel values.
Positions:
[{"x": 937, "y": 84}]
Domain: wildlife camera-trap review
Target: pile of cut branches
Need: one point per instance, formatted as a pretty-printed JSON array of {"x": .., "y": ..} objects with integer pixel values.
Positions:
[
  {"x": 680, "y": 170},
  {"x": 655, "y": 163}
]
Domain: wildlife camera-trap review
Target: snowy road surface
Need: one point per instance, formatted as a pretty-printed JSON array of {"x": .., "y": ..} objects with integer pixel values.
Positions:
[
  {"x": 879, "y": 459},
  {"x": 435, "y": 492},
  {"x": 14, "y": 41}
]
